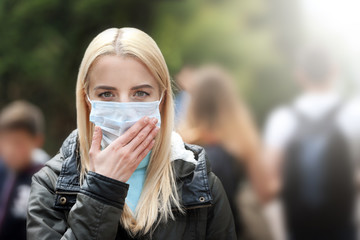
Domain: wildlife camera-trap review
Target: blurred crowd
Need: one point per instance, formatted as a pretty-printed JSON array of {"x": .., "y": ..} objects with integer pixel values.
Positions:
[{"x": 297, "y": 179}]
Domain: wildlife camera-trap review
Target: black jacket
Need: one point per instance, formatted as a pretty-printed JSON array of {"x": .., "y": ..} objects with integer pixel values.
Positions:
[{"x": 59, "y": 208}]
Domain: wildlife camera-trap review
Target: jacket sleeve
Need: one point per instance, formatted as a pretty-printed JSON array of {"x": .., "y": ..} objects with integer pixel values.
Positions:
[
  {"x": 95, "y": 214},
  {"x": 220, "y": 223}
]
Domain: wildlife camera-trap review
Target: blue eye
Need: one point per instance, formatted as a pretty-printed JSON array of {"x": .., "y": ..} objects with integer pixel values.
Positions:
[
  {"x": 141, "y": 94},
  {"x": 106, "y": 95}
]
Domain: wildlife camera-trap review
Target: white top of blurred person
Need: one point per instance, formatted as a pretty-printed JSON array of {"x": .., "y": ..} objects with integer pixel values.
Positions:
[{"x": 316, "y": 75}]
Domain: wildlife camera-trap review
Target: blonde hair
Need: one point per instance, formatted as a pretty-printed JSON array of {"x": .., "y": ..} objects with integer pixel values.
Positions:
[
  {"x": 159, "y": 192},
  {"x": 216, "y": 108}
]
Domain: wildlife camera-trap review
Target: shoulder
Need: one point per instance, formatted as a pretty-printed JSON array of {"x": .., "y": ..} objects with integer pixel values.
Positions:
[
  {"x": 48, "y": 175},
  {"x": 199, "y": 186},
  {"x": 279, "y": 126},
  {"x": 215, "y": 185},
  {"x": 280, "y": 115},
  {"x": 349, "y": 117}
]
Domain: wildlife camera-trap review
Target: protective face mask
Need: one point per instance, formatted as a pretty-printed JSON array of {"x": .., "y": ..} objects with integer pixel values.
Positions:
[{"x": 114, "y": 118}]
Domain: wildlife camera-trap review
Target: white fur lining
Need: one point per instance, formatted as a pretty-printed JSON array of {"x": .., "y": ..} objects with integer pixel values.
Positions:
[{"x": 178, "y": 150}]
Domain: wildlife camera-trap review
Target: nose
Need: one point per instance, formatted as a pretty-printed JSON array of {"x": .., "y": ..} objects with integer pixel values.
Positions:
[{"x": 124, "y": 98}]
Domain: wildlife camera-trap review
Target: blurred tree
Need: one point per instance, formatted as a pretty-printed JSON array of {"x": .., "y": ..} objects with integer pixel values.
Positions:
[{"x": 253, "y": 39}]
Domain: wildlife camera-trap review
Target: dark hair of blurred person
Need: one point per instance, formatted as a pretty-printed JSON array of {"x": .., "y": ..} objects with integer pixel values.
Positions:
[
  {"x": 308, "y": 143},
  {"x": 218, "y": 120},
  {"x": 21, "y": 132}
]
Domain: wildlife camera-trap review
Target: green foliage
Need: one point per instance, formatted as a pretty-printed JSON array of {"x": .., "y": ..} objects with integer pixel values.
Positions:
[
  {"x": 42, "y": 43},
  {"x": 253, "y": 39}
]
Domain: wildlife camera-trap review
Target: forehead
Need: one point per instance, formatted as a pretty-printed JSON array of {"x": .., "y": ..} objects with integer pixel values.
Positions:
[{"x": 119, "y": 71}]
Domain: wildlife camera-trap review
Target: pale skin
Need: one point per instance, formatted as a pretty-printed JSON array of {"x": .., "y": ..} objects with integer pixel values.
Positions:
[{"x": 122, "y": 79}]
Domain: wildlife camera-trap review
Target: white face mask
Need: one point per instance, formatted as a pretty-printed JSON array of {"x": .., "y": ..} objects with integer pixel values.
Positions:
[{"x": 114, "y": 118}]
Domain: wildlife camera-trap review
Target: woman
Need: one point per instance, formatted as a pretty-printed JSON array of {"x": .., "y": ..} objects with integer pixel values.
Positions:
[
  {"x": 120, "y": 176},
  {"x": 219, "y": 121}
]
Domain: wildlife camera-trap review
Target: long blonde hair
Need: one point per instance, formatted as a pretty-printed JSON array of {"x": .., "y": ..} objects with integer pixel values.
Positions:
[
  {"x": 159, "y": 193},
  {"x": 216, "y": 108}
]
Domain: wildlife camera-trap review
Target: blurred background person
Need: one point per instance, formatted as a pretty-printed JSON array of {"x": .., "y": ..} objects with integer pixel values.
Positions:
[
  {"x": 218, "y": 120},
  {"x": 21, "y": 132},
  {"x": 309, "y": 148}
]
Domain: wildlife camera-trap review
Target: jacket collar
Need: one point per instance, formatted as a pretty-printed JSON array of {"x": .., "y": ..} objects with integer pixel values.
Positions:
[{"x": 189, "y": 161}]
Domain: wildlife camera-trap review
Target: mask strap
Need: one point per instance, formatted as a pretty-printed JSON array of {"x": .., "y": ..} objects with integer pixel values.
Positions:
[
  {"x": 88, "y": 98},
  {"x": 162, "y": 95}
]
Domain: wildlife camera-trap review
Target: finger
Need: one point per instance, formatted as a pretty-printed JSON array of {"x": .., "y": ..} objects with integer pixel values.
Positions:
[
  {"x": 145, "y": 152},
  {"x": 95, "y": 145},
  {"x": 143, "y": 135},
  {"x": 96, "y": 139},
  {"x": 144, "y": 144},
  {"x": 131, "y": 133}
]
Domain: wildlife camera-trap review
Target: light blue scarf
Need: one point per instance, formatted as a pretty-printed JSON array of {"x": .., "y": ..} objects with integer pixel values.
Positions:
[{"x": 136, "y": 182}]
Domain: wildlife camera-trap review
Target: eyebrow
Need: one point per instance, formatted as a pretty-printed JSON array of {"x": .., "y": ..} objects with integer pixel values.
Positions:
[
  {"x": 133, "y": 88},
  {"x": 142, "y": 86},
  {"x": 104, "y": 87}
]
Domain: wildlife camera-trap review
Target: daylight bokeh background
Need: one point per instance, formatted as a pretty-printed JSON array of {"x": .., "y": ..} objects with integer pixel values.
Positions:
[{"x": 42, "y": 43}]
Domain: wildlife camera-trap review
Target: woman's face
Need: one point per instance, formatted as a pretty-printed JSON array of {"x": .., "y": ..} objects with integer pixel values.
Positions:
[{"x": 122, "y": 79}]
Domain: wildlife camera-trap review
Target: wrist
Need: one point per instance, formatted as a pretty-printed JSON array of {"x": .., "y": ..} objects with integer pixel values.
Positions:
[{"x": 105, "y": 189}]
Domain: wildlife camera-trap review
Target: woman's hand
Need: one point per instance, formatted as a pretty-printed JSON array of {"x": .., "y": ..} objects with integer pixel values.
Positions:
[{"x": 120, "y": 159}]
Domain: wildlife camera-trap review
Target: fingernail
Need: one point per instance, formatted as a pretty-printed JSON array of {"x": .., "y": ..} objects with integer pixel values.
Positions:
[
  {"x": 154, "y": 120},
  {"x": 146, "y": 119}
]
